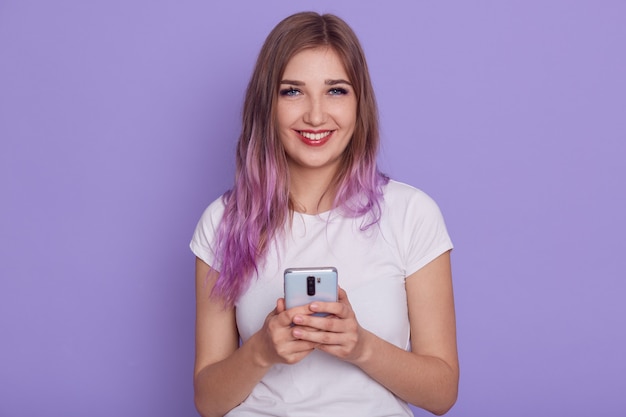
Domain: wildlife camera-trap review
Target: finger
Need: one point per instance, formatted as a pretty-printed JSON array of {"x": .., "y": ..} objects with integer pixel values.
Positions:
[
  {"x": 318, "y": 338},
  {"x": 300, "y": 345},
  {"x": 341, "y": 295},
  {"x": 310, "y": 321},
  {"x": 286, "y": 317},
  {"x": 279, "y": 318},
  {"x": 280, "y": 305},
  {"x": 306, "y": 328},
  {"x": 303, "y": 309},
  {"x": 293, "y": 350},
  {"x": 296, "y": 314},
  {"x": 325, "y": 324},
  {"x": 297, "y": 351},
  {"x": 340, "y": 309}
]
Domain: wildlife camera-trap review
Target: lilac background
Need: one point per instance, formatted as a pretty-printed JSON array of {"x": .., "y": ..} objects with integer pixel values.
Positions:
[{"x": 117, "y": 127}]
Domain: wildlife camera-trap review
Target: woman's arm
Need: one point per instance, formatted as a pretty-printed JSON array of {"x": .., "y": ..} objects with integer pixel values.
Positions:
[
  {"x": 428, "y": 375},
  {"x": 224, "y": 373}
]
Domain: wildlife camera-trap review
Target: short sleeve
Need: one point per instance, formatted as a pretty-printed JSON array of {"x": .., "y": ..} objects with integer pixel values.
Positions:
[
  {"x": 427, "y": 235},
  {"x": 420, "y": 226},
  {"x": 203, "y": 239}
]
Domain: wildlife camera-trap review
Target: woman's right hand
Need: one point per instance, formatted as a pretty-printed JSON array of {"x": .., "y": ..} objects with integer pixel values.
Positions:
[{"x": 277, "y": 343}]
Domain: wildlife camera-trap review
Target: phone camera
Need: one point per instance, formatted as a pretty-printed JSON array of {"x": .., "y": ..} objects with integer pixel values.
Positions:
[{"x": 310, "y": 285}]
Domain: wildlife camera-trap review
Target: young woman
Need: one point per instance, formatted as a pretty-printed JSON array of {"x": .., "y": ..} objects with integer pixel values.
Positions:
[{"x": 308, "y": 192}]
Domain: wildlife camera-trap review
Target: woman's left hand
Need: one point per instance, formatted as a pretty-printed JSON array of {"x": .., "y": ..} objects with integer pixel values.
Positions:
[{"x": 338, "y": 334}]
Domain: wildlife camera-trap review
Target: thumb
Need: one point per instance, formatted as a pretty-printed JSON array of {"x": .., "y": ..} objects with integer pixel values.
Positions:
[
  {"x": 280, "y": 305},
  {"x": 342, "y": 295}
]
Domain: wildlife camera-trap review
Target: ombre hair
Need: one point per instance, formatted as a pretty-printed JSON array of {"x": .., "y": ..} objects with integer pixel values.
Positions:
[{"x": 258, "y": 207}]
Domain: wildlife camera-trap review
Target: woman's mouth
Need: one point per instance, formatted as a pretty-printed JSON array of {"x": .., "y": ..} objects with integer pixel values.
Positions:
[{"x": 315, "y": 138}]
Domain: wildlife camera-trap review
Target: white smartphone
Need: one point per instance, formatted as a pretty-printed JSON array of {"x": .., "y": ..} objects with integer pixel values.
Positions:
[{"x": 305, "y": 285}]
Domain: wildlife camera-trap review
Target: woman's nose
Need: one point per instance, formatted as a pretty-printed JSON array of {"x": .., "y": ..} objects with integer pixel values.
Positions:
[{"x": 316, "y": 113}]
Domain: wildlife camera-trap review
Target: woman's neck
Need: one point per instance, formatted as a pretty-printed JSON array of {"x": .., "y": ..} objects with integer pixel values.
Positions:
[{"x": 312, "y": 190}]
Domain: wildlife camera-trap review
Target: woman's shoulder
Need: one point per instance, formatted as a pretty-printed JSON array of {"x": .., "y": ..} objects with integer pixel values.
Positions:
[
  {"x": 400, "y": 198},
  {"x": 399, "y": 191},
  {"x": 218, "y": 204},
  {"x": 213, "y": 212}
]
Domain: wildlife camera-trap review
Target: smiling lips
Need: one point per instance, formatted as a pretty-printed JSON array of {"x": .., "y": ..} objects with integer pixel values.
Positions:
[{"x": 312, "y": 138}]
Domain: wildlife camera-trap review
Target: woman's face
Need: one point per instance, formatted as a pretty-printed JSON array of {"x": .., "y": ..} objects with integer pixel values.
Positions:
[{"x": 316, "y": 110}]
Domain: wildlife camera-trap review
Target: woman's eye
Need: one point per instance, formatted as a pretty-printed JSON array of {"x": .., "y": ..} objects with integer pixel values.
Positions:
[
  {"x": 337, "y": 91},
  {"x": 289, "y": 92}
]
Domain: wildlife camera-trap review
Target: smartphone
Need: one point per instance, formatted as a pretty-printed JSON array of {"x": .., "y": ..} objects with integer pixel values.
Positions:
[{"x": 305, "y": 285}]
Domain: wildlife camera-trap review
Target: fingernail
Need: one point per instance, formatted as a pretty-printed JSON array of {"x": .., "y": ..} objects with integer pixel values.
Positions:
[
  {"x": 297, "y": 333},
  {"x": 297, "y": 319},
  {"x": 314, "y": 306}
]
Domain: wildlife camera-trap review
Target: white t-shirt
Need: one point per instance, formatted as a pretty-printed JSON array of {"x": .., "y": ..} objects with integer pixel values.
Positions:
[{"x": 372, "y": 266}]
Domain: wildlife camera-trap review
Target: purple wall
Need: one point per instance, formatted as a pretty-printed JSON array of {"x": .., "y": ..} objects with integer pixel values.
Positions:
[{"x": 117, "y": 127}]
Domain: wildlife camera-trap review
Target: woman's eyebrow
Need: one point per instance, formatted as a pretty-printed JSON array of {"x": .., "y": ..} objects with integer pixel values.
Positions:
[
  {"x": 335, "y": 82},
  {"x": 292, "y": 82}
]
